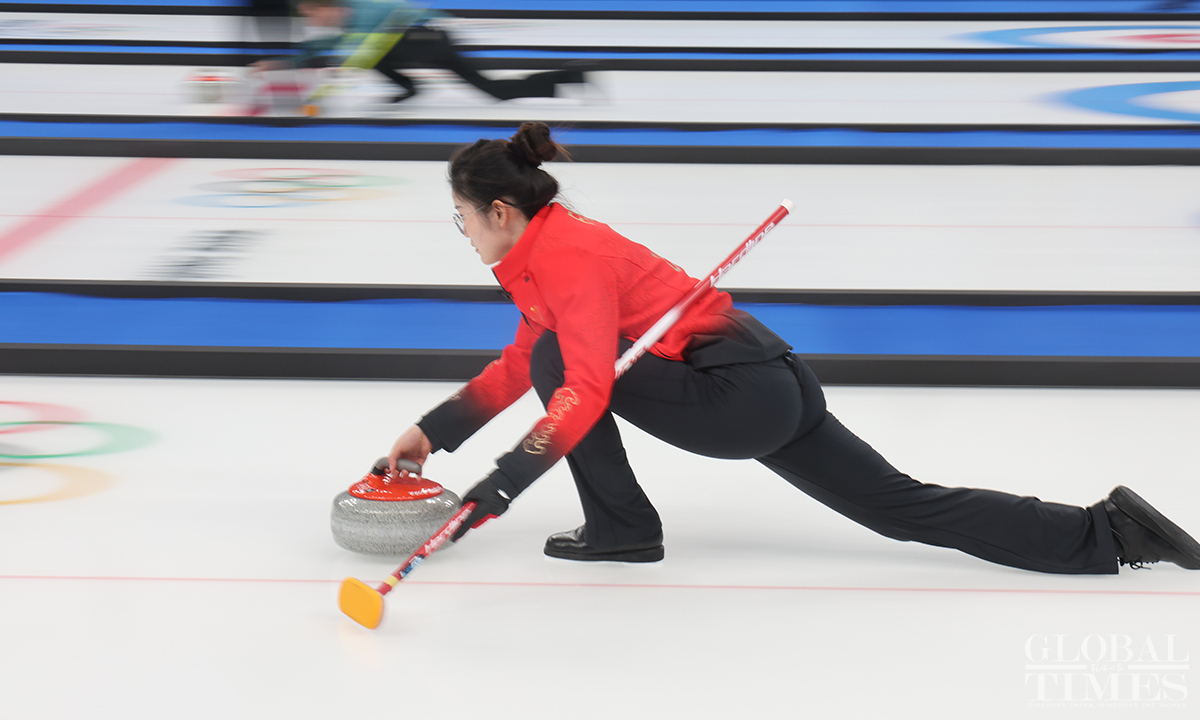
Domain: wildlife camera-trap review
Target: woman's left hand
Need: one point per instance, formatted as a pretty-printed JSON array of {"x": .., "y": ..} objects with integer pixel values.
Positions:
[{"x": 490, "y": 503}]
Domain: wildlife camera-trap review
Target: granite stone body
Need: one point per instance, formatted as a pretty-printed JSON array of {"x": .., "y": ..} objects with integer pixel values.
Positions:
[
  {"x": 385, "y": 514},
  {"x": 393, "y": 527}
]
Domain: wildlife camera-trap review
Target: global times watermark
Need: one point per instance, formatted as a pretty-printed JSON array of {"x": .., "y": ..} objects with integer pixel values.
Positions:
[{"x": 1129, "y": 671}]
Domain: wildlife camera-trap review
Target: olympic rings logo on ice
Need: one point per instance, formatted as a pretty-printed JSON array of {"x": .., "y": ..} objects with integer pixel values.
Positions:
[
  {"x": 1095, "y": 36},
  {"x": 290, "y": 187},
  {"x": 26, "y": 443}
]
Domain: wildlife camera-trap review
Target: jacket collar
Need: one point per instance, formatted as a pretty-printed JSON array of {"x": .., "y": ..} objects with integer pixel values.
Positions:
[{"x": 516, "y": 260}]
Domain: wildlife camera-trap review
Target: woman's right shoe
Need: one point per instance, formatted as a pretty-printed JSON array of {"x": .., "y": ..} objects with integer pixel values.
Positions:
[
  {"x": 570, "y": 545},
  {"x": 1144, "y": 535}
]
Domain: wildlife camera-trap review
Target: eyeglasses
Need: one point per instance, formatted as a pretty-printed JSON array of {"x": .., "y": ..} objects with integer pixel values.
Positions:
[{"x": 459, "y": 219}]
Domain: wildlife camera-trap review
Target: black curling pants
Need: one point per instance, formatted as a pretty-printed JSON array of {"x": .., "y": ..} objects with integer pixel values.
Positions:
[
  {"x": 775, "y": 412},
  {"x": 430, "y": 47}
]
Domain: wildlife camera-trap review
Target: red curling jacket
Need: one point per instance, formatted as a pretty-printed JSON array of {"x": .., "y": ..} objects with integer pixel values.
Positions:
[{"x": 582, "y": 280}]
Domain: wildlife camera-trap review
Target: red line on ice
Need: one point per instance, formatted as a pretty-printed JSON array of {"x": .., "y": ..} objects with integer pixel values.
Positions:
[
  {"x": 81, "y": 202},
  {"x": 644, "y": 586}
]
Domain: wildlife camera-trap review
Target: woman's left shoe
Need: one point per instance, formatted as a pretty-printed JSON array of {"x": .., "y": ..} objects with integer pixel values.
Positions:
[
  {"x": 1144, "y": 535},
  {"x": 570, "y": 545}
]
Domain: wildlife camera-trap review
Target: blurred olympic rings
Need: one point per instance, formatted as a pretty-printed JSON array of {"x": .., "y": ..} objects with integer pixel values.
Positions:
[
  {"x": 290, "y": 187},
  {"x": 74, "y": 482},
  {"x": 119, "y": 438},
  {"x": 40, "y": 411}
]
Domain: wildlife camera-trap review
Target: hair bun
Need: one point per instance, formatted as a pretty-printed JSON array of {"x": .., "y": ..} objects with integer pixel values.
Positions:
[{"x": 532, "y": 144}]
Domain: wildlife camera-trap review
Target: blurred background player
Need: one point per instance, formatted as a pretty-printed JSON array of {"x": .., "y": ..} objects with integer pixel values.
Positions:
[
  {"x": 390, "y": 35},
  {"x": 268, "y": 25}
]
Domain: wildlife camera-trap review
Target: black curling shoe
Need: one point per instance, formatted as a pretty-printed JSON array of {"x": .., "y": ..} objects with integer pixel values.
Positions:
[
  {"x": 1144, "y": 535},
  {"x": 570, "y": 545}
]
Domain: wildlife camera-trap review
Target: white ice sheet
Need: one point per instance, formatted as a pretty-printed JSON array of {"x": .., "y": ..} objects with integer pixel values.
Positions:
[
  {"x": 855, "y": 227},
  {"x": 1167, "y": 34},
  {"x": 767, "y": 97},
  {"x": 203, "y": 579}
]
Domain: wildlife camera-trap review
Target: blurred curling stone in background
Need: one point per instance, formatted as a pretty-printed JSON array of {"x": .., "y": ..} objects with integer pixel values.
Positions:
[
  {"x": 384, "y": 516},
  {"x": 210, "y": 86}
]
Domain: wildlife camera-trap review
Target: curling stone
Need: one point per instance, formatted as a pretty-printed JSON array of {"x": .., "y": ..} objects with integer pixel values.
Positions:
[
  {"x": 210, "y": 86},
  {"x": 383, "y": 516}
]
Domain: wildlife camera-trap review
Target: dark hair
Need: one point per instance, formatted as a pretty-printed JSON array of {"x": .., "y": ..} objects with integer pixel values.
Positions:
[{"x": 508, "y": 170}]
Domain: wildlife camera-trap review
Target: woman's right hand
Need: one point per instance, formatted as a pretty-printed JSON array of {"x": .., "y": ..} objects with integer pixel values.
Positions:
[{"x": 411, "y": 445}]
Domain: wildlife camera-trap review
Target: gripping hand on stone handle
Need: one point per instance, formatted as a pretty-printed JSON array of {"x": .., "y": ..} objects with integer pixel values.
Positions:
[{"x": 411, "y": 445}]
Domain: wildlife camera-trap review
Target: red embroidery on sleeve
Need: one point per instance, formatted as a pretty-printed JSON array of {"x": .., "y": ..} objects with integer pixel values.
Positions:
[{"x": 542, "y": 436}]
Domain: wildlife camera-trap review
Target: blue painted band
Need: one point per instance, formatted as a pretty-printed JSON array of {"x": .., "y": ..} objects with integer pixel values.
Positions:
[
  {"x": 142, "y": 49},
  {"x": 724, "y": 6},
  {"x": 1079, "y": 331},
  {"x": 1115, "y": 54},
  {"x": 184, "y": 130}
]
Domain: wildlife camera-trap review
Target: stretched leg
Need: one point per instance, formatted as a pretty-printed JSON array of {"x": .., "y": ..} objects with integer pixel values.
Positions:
[
  {"x": 429, "y": 47},
  {"x": 542, "y": 84},
  {"x": 837, "y": 468},
  {"x": 410, "y": 88}
]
